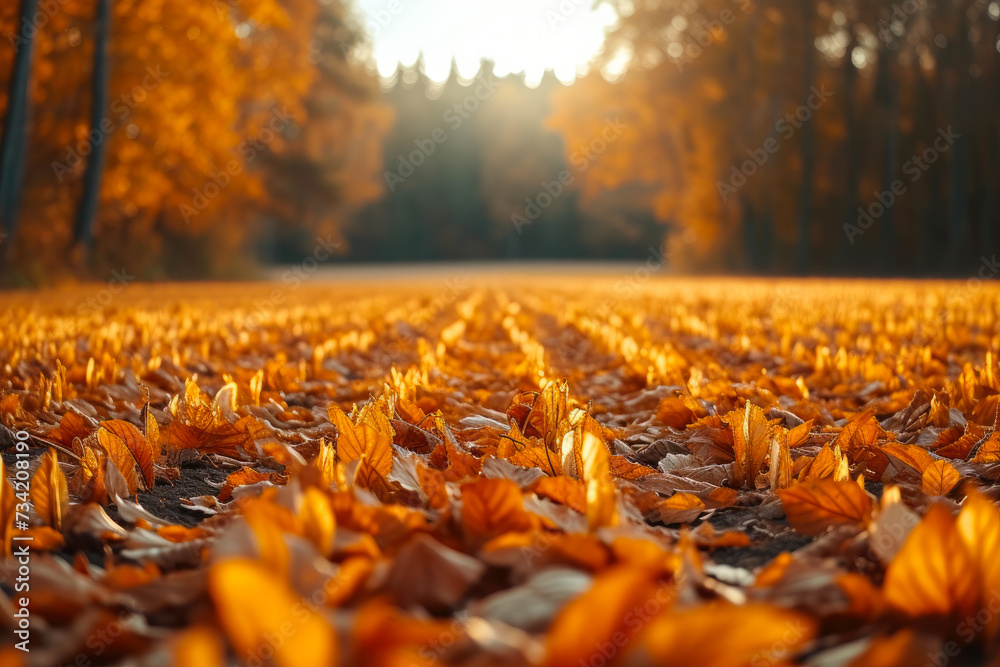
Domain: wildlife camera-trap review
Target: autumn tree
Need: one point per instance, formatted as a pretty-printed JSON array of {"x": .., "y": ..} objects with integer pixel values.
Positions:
[
  {"x": 14, "y": 139},
  {"x": 199, "y": 98}
]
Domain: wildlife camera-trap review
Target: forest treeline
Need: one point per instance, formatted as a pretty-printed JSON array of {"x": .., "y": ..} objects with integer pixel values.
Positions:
[
  {"x": 171, "y": 137},
  {"x": 806, "y": 136},
  {"x": 770, "y": 136}
]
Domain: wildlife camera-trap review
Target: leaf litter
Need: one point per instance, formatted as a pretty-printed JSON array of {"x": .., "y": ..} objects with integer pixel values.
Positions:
[{"x": 544, "y": 472}]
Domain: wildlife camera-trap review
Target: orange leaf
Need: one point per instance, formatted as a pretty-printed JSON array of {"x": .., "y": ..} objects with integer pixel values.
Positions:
[
  {"x": 222, "y": 438},
  {"x": 199, "y": 646},
  {"x": 815, "y": 505},
  {"x": 44, "y": 538},
  {"x": 722, "y": 634},
  {"x": 625, "y": 469},
  {"x": 562, "y": 489},
  {"x": 152, "y": 432},
  {"x": 988, "y": 450},
  {"x": 356, "y": 441},
  {"x": 916, "y": 457},
  {"x": 367, "y": 476},
  {"x": 862, "y": 431},
  {"x": 527, "y": 452},
  {"x": 624, "y": 595},
  {"x": 933, "y": 573},
  {"x": 120, "y": 456},
  {"x": 434, "y": 485},
  {"x": 49, "y": 491},
  {"x": 939, "y": 478},
  {"x": 681, "y": 508},
  {"x": 751, "y": 443},
  {"x": 674, "y": 412},
  {"x": 71, "y": 425},
  {"x": 492, "y": 507},
  {"x": 979, "y": 527},
  {"x": 241, "y": 477},
  {"x": 800, "y": 434},
  {"x": 136, "y": 444},
  {"x": 253, "y": 606}
]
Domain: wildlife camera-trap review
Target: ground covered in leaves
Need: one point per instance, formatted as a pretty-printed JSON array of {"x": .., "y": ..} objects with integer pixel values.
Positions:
[{"x": 538, "y": 471}]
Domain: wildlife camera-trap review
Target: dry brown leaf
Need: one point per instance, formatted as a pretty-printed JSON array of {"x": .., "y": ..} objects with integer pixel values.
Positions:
[
  {"x": 137, "y": 445},
  {"x": 939, "y": 478},
  {"x": 49, "y": 491},
  {"x": 253, "y": 606},
  {"x": 815, "y": 505},
  {"x": 120, "y": 456},
  {"x": 934, "y": 574},
  {"x": 751, "y": 443}
]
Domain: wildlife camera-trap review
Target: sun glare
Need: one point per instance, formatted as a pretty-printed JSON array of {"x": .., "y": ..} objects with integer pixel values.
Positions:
[{"x": 518, "y": 36}]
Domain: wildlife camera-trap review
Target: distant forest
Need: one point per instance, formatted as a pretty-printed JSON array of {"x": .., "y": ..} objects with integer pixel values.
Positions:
[{"x": 471, "y": 173}]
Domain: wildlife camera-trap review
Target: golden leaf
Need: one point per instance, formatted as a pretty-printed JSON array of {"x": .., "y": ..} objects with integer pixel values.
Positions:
[
  {"x": 356, "y": 441},
  {"x": 725, "y": 635},
  {"x": 751, "y": 443},
  {"x": 137, "y": 445},
  {"x": 120, "y": 456},
  {"x": 916, "y": 457},
  {"x": 979, "y": 528},
  {"x": 815, "y": 505},
  {"x": 8, "y": 503},
  {"x": 625, "y": 469},
  {"x": 49, "y": 491},
  {"x": 934, "y": 573},
  {"x": 492, "y": 507},
  {"x": 862, "y": 431},
  {"x": 939, "y": 478},
  {"x": 578, "y": 635},
  {"x": 253, "y": 606}
]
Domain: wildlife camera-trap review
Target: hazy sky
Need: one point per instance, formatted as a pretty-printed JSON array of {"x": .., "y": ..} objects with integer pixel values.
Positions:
[{"x": 518, "y": 35}]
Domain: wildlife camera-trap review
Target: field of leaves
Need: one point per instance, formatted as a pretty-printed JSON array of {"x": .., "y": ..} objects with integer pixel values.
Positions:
[{"x": 545, "y": 471}]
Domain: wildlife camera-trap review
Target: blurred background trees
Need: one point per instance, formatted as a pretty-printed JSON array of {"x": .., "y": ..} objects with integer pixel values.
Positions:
[
  {"x": 771, "y": 136},
  {"x": 705, "y": 84},
  {"x": 210, "y": 109}
]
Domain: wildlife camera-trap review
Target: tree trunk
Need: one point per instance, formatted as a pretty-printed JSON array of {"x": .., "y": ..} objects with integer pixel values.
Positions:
[
  {"x": 852, "y": 169},
  {"x": 87, "y": 212},
  {"x": 887, "y": 96},
  {"x": 15, "y": 127},
  {"x": 808, "y": 142}
]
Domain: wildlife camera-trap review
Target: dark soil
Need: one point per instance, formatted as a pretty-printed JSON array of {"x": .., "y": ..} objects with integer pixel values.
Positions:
[
  {"x": 164, "y": 499},
  {"x": 769, "y": 537}
]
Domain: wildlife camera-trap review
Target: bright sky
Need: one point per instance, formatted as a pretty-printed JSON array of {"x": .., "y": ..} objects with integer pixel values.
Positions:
[{"x": 518, "y": 35}]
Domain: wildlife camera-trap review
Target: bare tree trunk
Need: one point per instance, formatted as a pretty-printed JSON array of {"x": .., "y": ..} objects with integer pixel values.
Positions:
[
  {"x": 852, "y": 171},
  {"x": 87, "y": 212},
  {"x": 15, "y": 126},
  {"x": 808, "y": 145},
  {"x": 887, "y": 97}
]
